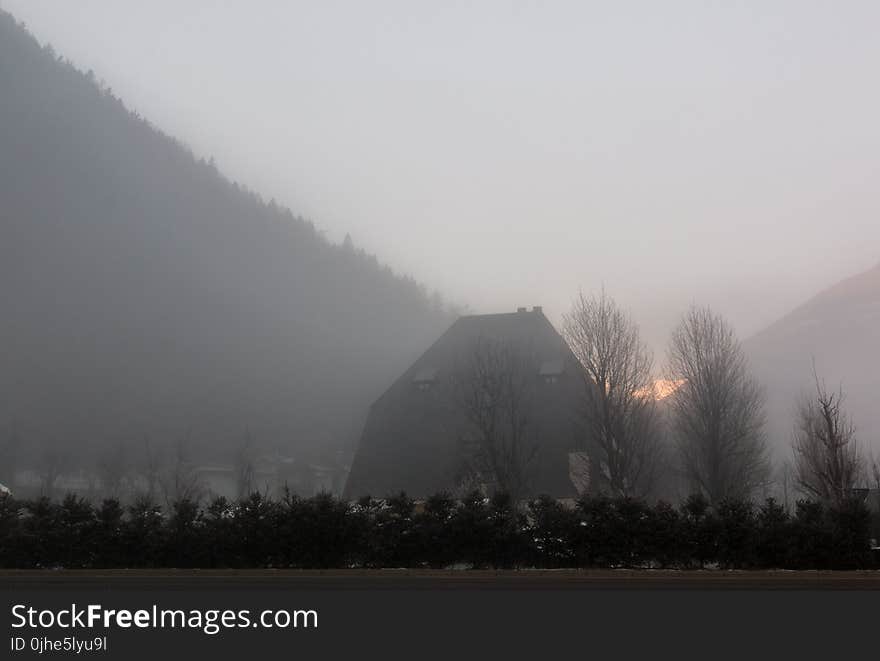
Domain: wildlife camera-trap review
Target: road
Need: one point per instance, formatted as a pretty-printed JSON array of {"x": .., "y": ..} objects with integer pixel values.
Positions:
[{"x": 268, "y": 579}]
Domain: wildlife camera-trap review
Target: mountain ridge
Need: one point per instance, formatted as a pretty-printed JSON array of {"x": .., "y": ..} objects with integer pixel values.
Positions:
[
  {"x": 145, "y": 294},
  {"x": 860, "y": 289},
  {"x": 837, "y": 329}
]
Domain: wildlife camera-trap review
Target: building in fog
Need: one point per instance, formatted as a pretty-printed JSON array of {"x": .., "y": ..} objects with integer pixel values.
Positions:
[
  {"x": 272, "y": 476},
  {"x": 420, "y": 438}
]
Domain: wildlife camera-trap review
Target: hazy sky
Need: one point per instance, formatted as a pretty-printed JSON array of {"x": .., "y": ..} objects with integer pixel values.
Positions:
[{"x": 508, "y": 153}]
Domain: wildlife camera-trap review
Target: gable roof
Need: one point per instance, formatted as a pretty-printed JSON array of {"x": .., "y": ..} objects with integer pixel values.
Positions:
[{"x": 412, "y": 437}]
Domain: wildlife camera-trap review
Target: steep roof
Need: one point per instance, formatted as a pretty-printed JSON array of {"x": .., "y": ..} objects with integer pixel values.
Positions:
[{"x": 412, "y": 438}]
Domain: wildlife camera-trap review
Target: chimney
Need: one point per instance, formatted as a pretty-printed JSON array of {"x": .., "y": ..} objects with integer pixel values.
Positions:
[
  {"x": 520, "y": 309},
  {"x": 538, "y": 308}
]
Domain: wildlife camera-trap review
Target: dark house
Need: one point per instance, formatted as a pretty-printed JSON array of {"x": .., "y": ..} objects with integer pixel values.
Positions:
[{"x": 418, "y": 436}]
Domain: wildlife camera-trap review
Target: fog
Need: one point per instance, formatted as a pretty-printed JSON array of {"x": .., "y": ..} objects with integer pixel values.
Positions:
[
  {"x": 509, "y": 153},
  {"x": 226, "y": 228}
]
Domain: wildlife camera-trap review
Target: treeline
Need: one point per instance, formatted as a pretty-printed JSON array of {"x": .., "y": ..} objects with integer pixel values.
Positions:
[
  {"x": 702, "y": 427},
  {"x": 441, "y": 532}
]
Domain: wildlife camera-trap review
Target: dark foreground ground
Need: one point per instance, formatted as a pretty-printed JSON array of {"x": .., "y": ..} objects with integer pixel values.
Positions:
[{"x": 392, "y": 579}]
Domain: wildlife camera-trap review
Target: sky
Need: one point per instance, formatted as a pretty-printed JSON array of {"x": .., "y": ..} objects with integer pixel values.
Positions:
[{"x": 512, "y": 153}]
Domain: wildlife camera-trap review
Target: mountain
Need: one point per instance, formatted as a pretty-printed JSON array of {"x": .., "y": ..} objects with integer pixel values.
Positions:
[
  {"x": 840, "y": 329},
  {"x": 144, "y": 295}
]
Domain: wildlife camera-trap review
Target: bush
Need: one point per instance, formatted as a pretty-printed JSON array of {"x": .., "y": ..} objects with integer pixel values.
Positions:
[
  {"x": 552, "y": 531},
  {"x": 433, "y": 531},
  {"x": 664, "y": 530},
  {"x": 699, "y": 532},
  {"x": 850, "y": 524},
  {"x": 324, "y": 532},
  {"x": 773, "y": 541},
  {"x": 736, "y": 535},
  {"x": 812, "y": 545}
]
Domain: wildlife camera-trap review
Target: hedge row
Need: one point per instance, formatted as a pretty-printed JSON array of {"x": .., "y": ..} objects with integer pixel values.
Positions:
[{"x": 324, "y": 532}]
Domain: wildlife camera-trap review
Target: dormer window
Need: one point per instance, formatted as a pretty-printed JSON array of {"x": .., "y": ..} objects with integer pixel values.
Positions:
[
  {"x": 425, "y": 378},
  {"x": 550, "y": 370}
]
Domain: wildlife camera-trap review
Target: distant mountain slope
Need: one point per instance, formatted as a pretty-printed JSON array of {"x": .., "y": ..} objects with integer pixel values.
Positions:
[
  {"x": 143, "y": 294},
  {"x": 840, "y": 328}
]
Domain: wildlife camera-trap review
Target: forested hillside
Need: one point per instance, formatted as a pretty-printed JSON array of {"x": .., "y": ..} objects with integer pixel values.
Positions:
[{"x": 145, "y": 295}]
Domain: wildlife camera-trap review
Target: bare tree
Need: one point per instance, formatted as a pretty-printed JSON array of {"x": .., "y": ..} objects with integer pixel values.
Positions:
[
  {"x": 181, "y": 480},
  {"x": 54, "y": 462},
  {"x": 620, "y": 413},
  {"x": 827, "y": 460},
  {"x": 784, "y": 480},
  {"x": 495, "y": 389},
  {"x": 717, "y": 410},
  {"x": 112, "y": 467},
  {"x": 149, "y": 469},
  {"x": 10, "y": 453},
  {"x": 874, "y": 483},
  {"x": 245, "y": 478}
]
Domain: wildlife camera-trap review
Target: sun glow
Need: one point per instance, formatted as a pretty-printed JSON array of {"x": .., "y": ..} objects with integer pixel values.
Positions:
[{"x": 661, "y": 389}]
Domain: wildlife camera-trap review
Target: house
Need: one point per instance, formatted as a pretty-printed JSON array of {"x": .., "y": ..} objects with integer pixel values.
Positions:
[{"x": 419, "y": 437}]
